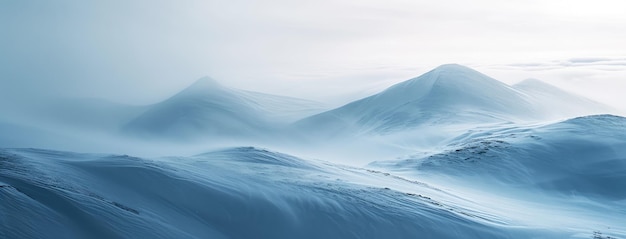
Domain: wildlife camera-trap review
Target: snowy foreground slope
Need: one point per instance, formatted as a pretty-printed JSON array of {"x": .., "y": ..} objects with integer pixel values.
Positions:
[
  {"x": 568, "y": 182},
  {"x": 234, "y": 193}
]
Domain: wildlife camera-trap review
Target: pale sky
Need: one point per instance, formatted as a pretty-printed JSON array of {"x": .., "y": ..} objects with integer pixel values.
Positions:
[{"x": 327, "y": 50}]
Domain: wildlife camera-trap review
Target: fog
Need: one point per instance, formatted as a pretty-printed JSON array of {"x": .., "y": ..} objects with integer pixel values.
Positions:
[{"x": 142, "y": 52}]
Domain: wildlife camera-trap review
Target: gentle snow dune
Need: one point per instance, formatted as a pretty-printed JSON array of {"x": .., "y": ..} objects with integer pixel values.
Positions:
[{"x": 232, "y": 193}]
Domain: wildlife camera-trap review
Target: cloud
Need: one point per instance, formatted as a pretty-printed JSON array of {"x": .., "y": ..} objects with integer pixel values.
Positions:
[
  {"x": 600, "y": 78},
  {"x": 589, "y": 59},
  {"x": 597, "y": 63}
]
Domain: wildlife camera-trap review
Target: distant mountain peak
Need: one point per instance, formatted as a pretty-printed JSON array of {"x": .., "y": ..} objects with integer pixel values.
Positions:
[
  {"x": 203, "y": 85},
  {"x": 451, "y": 76},
  {"x": 533, "y": 82},
  {"x": 448, "y": 94},
  {"x": 205, "y": 82},
  {"x": 452, "y": 67}
]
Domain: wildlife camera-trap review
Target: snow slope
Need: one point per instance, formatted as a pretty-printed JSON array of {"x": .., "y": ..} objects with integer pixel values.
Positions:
[
  {"x": 232, "y": 193},
  {"x": 584, "y": 156},
  {"x": 203, "y": 109},
  {"x": 568, "y": 174},
  {"x": 248, "y": 192}
]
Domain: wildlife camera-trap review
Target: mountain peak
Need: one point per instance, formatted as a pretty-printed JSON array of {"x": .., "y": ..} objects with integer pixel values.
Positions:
[
  {"x": 205, "y": 82},
  {"x": 455, "y": 75},
  {"x": 450, "y": 93},
  {"x": 458, "y": 74},
  {"x": 445, "y": 81},
  {"x": 203, "y": 85},
  {"x": 452, "y": 67}
]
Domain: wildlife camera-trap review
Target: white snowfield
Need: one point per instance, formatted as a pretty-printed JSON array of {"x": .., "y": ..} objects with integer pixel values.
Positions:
[{"x": 450, "y": 154}]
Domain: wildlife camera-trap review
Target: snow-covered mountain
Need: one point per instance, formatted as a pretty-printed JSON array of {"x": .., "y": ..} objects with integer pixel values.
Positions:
[
  {"x": 208, "y": 109},
  {"x": 449, "y": 94},
  {"x": 201, "y": 110}
]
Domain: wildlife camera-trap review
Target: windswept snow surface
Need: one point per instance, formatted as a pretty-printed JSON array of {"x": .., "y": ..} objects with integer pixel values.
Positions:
[
  {"x": 585, "y": 155},
  {"x": 232, "y": 193},
  {"x": 570, "y": 173},
  {"x": 248, "y": 192}
]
